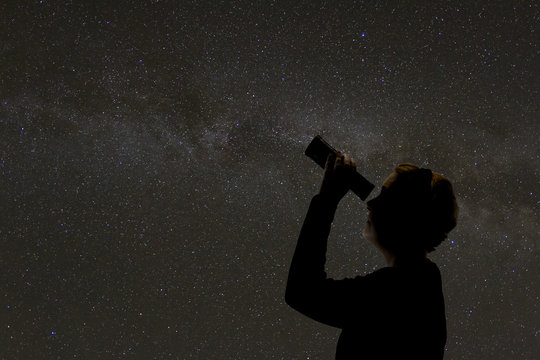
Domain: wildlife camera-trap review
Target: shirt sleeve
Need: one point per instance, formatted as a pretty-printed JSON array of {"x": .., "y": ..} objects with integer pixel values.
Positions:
[{"x": 309, "y": 291}]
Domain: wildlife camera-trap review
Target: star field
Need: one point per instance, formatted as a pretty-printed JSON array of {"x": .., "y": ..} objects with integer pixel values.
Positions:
[{"x": 154, "y": 181}]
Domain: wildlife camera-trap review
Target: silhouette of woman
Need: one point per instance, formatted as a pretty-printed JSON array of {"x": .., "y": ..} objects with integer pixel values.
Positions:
[{"x": 396, "y": 312}]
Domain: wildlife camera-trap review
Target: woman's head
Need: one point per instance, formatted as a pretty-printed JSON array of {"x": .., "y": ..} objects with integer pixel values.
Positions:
[{"x": 415, "y": 210}]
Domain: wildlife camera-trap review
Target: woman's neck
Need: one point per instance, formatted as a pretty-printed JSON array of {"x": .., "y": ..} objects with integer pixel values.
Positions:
[{"x": 404, "y": 259}]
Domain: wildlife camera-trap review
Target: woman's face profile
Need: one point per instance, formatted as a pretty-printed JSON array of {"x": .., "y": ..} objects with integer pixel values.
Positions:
[{"x": 370, "y": 231}]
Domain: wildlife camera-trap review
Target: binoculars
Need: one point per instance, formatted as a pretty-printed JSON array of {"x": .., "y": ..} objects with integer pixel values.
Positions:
[{"x": 318, "y": 150}]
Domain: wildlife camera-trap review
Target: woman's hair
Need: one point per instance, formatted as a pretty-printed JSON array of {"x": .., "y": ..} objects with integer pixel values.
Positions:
[{"x": 420, "y": 209}]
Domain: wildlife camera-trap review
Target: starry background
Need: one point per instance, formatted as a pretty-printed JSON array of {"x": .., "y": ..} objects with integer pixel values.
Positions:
[{"x": 154, "y": 182}]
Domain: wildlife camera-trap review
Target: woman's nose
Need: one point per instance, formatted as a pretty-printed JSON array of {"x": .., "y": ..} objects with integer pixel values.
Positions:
[{"x": 371, "y": 203}]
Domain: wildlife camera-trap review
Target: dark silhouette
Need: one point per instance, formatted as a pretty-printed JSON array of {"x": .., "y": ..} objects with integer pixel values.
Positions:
[{"x": 396, "y": 312}]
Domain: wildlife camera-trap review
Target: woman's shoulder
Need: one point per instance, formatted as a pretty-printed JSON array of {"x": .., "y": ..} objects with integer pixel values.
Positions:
[{"x": 425, "y": 270}]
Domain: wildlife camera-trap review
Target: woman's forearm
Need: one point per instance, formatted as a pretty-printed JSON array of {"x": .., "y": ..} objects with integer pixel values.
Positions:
[{"x": 307, "y": 268}]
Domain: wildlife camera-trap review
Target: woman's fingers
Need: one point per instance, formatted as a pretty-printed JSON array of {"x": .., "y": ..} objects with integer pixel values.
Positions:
[
  {"x": 340, "y": 160},
  {"x": 330, "y": 162},
  {"x": 348, "y": 161},
  {"x": 337, "y": 175}
]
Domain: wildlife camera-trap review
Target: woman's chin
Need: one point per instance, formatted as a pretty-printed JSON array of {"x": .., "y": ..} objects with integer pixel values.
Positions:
[{"x": 367, "y": 233}]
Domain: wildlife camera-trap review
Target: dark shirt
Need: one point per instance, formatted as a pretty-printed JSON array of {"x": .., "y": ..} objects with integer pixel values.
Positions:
[{"x": 389, "y": 314}]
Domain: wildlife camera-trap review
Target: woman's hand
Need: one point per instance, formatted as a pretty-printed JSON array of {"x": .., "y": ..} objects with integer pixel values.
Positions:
[{"x": 337, "y": 176}]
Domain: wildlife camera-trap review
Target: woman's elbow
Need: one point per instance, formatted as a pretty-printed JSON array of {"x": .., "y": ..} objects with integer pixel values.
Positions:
[
  {"x": 294, "y": 297},
  {"x": 289, "y": 296}
]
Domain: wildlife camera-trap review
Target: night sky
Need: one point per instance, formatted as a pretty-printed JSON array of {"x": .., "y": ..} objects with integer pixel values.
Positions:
[{"x": 154, "y": 180}]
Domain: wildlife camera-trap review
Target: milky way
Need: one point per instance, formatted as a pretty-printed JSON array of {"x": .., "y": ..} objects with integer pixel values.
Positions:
[{"x": 154, "y": 181}]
